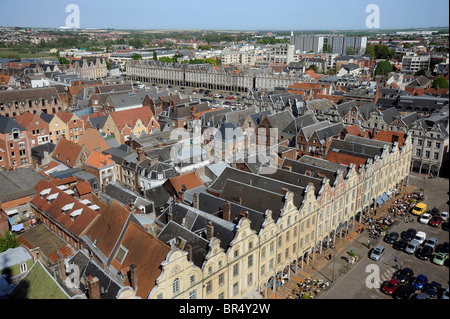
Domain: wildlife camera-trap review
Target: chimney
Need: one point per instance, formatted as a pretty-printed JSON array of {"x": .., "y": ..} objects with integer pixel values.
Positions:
[
  {"x": 170, "y": 214},
  {"x": 209, "y": 231},
  {"x": 93, "y": 288},
  {"x": 61, "y": 267},
  {"x": 189, "y": 252},
  {"x": 140, "y": 154},
  {"x": 284, "y": 191},
  {"x": 395, "y": 138},
  {"x": 289, "y": 167},
  {"x": 181, "y": 196},
  {"x": 227, "y": 211},
  {"x": 195, "y": 201},
  {"x": 133, "y": 277},
  {"x": 343, "y": 134}
]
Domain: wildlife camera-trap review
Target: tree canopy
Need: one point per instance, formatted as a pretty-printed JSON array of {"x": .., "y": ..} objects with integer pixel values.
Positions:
[
  {"x": 440, "y": 83},
  {"x": 383, "y": 68},
  {"x": 8, "y": 241}
]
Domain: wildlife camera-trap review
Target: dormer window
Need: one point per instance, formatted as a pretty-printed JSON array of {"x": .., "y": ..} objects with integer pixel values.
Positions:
[
  {"x": 51, "y": 197},
  {"x": 67, "y": 207},
  {"x": 76, "y": 213},
  {"x": 121, "y": 254},
  {"x": 45, "y": 192}
]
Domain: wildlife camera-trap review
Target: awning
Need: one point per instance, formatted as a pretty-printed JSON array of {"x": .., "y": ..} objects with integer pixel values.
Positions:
[
  {"x": 17, "y": 227},
  {"x": 380, "y": 201},
  {"x": 389, "y": 193},
  {"x": 385, "y": 197}
]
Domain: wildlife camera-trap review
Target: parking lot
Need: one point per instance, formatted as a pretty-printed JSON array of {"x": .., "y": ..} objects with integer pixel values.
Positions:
[{"x": 360, "y": 281}]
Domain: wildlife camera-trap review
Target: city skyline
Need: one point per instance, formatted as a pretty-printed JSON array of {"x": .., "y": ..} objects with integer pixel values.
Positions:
[{"x": 230, "y": 15}]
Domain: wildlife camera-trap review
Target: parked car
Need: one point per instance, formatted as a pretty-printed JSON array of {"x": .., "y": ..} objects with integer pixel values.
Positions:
[
  {"x": 409, "y": 234},
  {"x": 400, "y": 244},
  {"x": 445, "y": 226},
  {"x": 440, "y": 258},
  {"x": 444, "y": 248},
  {"x": 445, "y": 294},
  {"x": 436, "y": 221},
  {"x": 432, "y": 289},
  {"x": 391, "y": 237},
  {"x": 405, "y": 291},
  {"x": 404, "y": 275},
  {"x": 444, "y": 216},
  {"x": 419, "y": 209},
  {"x": 425, "y": 218},
  {"x": 377, "y": 253},
  {"x": 412, "y": 247},
  {"x": 434, "y": 212},
  {"x": 432, "y": 242},
  {"x": 390, "y": 287},
  {"x": 420, "y": 282},
  {"x": 420, "y": 237},
  {"x": 425, "y": 252}
]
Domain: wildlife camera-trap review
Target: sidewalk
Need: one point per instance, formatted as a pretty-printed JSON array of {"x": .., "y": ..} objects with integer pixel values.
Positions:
[{"x": 322, "y": 268}]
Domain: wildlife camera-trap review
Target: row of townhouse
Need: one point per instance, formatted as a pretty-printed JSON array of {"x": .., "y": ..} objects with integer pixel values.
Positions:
[
  {"x": 88, "y": 68},
  {"x": 249, "y": 230},
  {"x": 206, "y": 75},
  {"x": 15, "y": 102}
]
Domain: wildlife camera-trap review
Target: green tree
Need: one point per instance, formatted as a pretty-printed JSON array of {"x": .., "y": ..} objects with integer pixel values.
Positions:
[
  {"x": 155, "y": 56},
  {"x": 440, "y": 83},
  {"x": 136, "y": 56},
  {"x": 63, "y": 60},
  {"x": 8, "y": 241},
  {"x": 383, "y": 68},
  {"x": 420, "y": 72}
]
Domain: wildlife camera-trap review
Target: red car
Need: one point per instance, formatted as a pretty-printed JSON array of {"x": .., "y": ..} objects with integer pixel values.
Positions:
[
  {"x": 436, "y": 221},
  {"x": 390, "y": 287},
  {"x": 230, "y": 98}
]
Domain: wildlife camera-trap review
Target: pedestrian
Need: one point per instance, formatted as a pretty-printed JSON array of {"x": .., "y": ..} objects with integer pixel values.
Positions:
[
  {"x": 401, "y": 265},
  {"x": 368, "y": 243},
  {"x": 329, "y": 257}
]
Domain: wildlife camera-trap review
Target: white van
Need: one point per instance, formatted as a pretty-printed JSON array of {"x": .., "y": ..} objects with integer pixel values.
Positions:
[{"x": 420, "y": 237}]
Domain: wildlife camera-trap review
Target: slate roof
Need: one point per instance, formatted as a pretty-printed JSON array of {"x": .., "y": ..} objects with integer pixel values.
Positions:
[
  {"x": 18, "y": 183},
  {"x": 109, "y": 286},
  {"x": 252, "y": 197},
  {"x": 200, "y": 246},
  {"x": 266, "y": 182},
  {"x": 195, "y": 220},
  {"x": 7, "y": 125}
]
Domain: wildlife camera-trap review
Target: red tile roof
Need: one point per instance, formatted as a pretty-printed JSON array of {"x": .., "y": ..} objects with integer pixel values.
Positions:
[
  {"x": 190, "y": 180},
  {"x": 76, "y": 226},
  {"x": 129, "y": 117},
  {"x": 345, "y": 159},
  {"x": 99, "y": 160},
  {"x": 390, "y": 136},
  {"x": 67, "y": 152},
  {"x": 93, "y": 139},
  {"x": 147, "y": 253}
]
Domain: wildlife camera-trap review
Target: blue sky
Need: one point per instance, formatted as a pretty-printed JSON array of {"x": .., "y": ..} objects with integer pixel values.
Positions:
[{"x": 226, "y": 14}]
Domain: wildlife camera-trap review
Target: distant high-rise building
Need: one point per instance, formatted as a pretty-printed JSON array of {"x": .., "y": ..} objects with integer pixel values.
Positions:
[
  {"x": 307, "y": 43},
  {"x": 346, "y": 45}
]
